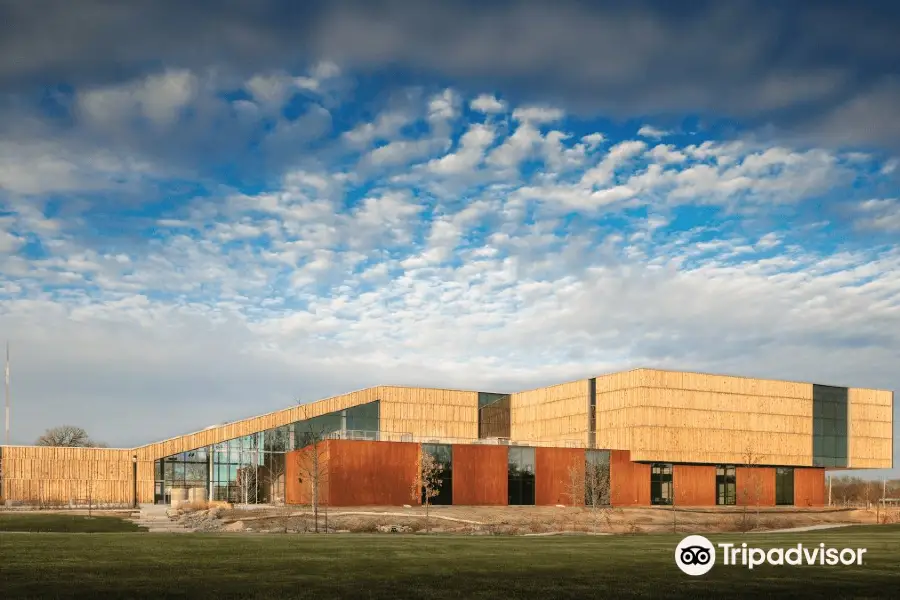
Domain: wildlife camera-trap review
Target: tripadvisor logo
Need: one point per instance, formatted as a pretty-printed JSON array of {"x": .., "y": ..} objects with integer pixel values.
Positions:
[{"x": 696, "y": 555}]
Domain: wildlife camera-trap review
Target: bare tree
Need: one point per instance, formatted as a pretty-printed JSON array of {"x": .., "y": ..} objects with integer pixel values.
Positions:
[
  {"x": 275, "y": 472},
  {"x": 247, "y": 481},
  {"x": 69, "y": 436},
  {"x": 312, "y": 467},
  {"x": 427, "y": 482},
  {"x": 574, "y": 484},
  {"x": 751, "y": 492},
  {"x": 597, "y": 490}
]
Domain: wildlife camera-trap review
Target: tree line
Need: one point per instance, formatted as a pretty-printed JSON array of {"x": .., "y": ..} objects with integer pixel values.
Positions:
[{"x": 847, "y": 490}]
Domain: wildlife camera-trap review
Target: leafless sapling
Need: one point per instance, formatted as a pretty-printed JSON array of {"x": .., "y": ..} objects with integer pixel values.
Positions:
[
  {"x": 597, "y": 488},
  {"x": 427, "y": 482},
  {"x": 752, "y": 489},
  {"x": 312, "y": 467}
]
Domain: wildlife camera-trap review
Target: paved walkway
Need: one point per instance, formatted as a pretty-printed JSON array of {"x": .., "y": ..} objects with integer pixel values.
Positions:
[
  {"x": 808, "y": 528},
  {"x": 156, "y": 519}
]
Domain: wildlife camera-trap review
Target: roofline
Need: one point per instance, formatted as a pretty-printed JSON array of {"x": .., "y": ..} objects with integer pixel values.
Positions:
[
  {"x": 259, "y": 416},
  {"x": 395, "y": 386},
  {"x": 64, "y": 447},
  {"x": 700, "y": 373}
]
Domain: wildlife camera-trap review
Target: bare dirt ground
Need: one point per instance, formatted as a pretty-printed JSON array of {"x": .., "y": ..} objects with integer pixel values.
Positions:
[{"x": 522, "y": 520}]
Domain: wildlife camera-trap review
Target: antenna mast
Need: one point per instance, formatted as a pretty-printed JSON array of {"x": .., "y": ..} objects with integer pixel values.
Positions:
[{"x": 7, "y": 393}]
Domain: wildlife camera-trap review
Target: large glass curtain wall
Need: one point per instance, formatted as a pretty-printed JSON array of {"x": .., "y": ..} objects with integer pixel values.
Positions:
[
  {"x": 829, "y": 426},
  {"x": 250, "y": 469}
]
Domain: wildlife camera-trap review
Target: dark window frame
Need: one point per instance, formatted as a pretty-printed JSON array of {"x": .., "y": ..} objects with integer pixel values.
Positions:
[
  {"x": 662, "y": 480},
  {"x": 726, "y": 485},
  {"x": 830, "y": 440},
  {"x": 443, "y": 454},
  {"x": 520, "y": 476},
  {"x": 784, "y": 486}
]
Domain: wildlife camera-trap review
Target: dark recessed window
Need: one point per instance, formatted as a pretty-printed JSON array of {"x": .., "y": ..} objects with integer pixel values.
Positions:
[
  {"x": 661, "y": 489},
  {"x": 520, "y": 475},
  {"x": 493, "y": 415},
  {"x": 596, "y": 478},
  {"x": 829, "y": 426},
  {"x": 726, "y": 485},
  {"x": 443, "y": 455},
  {"x": 784, "y": 486}
]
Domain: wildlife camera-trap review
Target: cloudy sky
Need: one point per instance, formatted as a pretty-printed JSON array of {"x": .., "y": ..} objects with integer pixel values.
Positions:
[{"x": 209, "y": 210}]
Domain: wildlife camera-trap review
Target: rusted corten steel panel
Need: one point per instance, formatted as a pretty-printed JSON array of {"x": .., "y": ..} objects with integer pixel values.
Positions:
[
  {"x": 695, "y": 485},
  {"x": 629, "y": 482},
  {"x": 554, "y": 484},
  {"x": 364, "y": 473},
  {"x": 755, "y": 486},
  {"x": 809, "y": 487},
  {"x": 480, "y": 474}
]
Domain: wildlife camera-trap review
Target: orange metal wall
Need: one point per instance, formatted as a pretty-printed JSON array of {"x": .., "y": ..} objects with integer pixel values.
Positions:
[
  {"x": 365, "y": 473},
  {"x": 480, "y": 475},
  {"x": 809, "y": 487},
  {"x": 695, "y": 485},
  {"x": 357, "y": 473},
  {"x": 297, "y": 466},
  {"x": 553, "y": 482},
  {"x": 755, "y": 486},
  {"x": 629, "y": 482}
]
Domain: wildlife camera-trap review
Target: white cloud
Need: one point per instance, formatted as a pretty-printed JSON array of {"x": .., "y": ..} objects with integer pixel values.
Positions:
[
  {"x": 159, "y": 98},
  {"x": 450, "y": 268},
  {"x": 472, "y": 146},
  {"x": 444, "y": 106},
  {"x": 593, "y": 140},
  {"x": 385, "y": 127},
  {"x": 652, "y": 132},
  {"x": 271, "y": 90},
  {"x": 488, "y": 104},
  {"x": 616, "y": 157},
  {"x": 667, "y": 154},
  {"x": 879, "y": 215},
  {"x": 537, "y": 114},
  {"x": 516, "y": 148}
]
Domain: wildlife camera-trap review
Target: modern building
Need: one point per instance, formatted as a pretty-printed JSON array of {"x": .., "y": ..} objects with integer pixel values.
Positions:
[{"x": 661, "y": 437}]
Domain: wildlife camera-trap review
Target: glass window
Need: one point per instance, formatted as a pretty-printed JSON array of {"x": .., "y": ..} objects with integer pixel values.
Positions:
[
  {"x": 494, "y": 415},
  {"x": 443, "y": 454},
  {"x": 829, "y": 426},
  {"x": 520, "y": 475},
  {"x": 661, "y": 483},
  {"x": 365, "y": 417},
  {"x": 784, "y": 486},
  {"x": 726, "y": 485},
  {"x": 596, "y": 477}
]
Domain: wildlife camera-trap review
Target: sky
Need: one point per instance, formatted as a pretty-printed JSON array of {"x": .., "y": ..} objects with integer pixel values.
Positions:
[{"x": 210, "y": 211}]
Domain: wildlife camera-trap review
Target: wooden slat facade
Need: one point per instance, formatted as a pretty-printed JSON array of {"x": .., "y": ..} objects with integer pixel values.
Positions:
[
  {"x": 657, "y": 416},
  {"x": 558, "y": 413},
  {"x": 54, "y": 476},
  {"x": 871, "y": 429}
]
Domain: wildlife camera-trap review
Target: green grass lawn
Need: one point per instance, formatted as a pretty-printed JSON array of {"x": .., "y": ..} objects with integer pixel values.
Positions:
[
  {"x": 62, "y": 523},
  {"x": 415, "y": 566}
]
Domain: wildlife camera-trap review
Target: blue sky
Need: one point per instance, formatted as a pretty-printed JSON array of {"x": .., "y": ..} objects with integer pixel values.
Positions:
[{"x": 193, "y": 234}]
